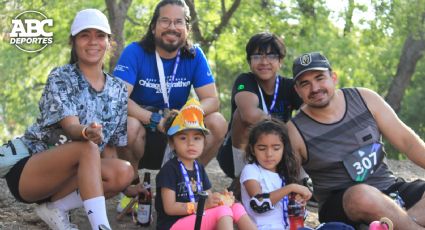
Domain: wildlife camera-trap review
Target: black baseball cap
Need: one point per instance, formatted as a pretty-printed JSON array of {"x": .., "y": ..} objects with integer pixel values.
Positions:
[{"x": 309, "y": 61}]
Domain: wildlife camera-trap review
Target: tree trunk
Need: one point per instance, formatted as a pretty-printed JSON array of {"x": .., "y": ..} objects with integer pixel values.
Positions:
[
  {"x": 205, "y": 42},
  {"x": 413, "y": 50},
  {"x": 117, "y": 14},
  {"x": 349, "y": 17}
]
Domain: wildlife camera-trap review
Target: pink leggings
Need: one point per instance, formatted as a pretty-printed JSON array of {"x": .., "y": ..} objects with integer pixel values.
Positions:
[{"x": 211, "y": 217}]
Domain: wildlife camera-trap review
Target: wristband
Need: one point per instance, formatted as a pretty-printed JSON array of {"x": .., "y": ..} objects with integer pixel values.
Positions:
[
  {"x": 190, "y": 208},
  {"x": 83, "y": 133},
  {"x": 154, "y": 121}
]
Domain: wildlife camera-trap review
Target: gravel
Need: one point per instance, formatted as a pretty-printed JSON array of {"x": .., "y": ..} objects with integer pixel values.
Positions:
[{"x": 15, "y": 215}]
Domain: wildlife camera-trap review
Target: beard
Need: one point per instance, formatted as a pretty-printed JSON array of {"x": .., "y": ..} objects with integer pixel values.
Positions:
[
  {"x": 322, "y": 104},
  {"x": 169, "y": 47},
  {"x": 319, "y": 105}
]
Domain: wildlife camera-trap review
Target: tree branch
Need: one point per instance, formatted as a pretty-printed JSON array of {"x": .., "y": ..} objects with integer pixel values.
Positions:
[
  {"x": 197, "y": 35},
  {"x": 132, "y": 21},
  {"x": 224, "y": 21}
]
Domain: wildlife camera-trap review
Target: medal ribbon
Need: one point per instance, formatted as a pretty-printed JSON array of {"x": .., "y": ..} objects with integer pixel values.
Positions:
[
  {"x": 276, "y": 89},
  {"x": 187, "y": 181}
]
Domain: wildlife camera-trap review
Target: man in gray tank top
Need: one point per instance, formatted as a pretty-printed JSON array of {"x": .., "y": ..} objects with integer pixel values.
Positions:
[{"x": 337, "y": 136}]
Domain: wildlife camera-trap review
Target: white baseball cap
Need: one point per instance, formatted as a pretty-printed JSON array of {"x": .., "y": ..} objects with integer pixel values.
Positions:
[{"x": 90, "y": 18}]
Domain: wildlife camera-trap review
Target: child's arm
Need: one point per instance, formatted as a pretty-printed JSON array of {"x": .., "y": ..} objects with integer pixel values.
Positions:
[
  {"x": 253, "y": 188},
  {"x": 171, "y": 207},
  {"x": 174, "y": 208}
]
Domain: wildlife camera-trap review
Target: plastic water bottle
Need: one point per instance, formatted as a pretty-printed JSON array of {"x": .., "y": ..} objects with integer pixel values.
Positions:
[
  {"x": 295, "y": 213},
  {"x": 144, "y": 211}
]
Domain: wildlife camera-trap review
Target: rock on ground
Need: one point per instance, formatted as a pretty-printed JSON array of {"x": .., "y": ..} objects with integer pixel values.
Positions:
[{"x": 15, "y": 215}]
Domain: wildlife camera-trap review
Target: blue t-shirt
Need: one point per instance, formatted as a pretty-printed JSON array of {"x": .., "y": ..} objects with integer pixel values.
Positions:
[
  {"x": 138, "y": 68},
  {"x": 170, "y": 176}
]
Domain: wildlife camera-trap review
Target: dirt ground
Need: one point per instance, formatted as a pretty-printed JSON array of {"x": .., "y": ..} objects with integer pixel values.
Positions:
[{"x": 15, "y": 215}]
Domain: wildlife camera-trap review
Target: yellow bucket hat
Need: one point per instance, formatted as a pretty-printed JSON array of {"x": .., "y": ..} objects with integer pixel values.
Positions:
[{"x": 191, "y": 116}]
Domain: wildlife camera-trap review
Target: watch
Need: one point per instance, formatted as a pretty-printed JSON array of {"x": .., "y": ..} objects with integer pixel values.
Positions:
[{"x": 154, "y": 121}]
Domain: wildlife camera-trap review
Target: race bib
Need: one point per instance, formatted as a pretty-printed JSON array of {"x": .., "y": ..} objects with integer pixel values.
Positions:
[{"x": 364, "y": 161}]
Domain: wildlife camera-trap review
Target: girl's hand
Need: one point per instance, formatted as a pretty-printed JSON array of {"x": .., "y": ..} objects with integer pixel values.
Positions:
[
  {"x": 303, "y": 194},
  {"x": 213, "y": 200},
  {"x": 94, "y": 133},
  {"x": 227, "y": 198},
  {"x": 229, "y": 194}
]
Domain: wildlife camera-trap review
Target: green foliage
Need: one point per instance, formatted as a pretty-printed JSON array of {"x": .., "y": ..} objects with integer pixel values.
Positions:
[
  {"x": 367, "y": 56},
  {"x": 23, "y": 74}
]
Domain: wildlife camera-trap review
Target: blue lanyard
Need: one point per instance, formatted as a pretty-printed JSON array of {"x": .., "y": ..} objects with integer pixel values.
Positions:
[
  {"x": 176, "y": 64},
  {"x": 187, "y": 181},
  {"x": 163, "y": 84},
  {"x": 276, "y": 89},
  {"x": 285, "y": 206}
]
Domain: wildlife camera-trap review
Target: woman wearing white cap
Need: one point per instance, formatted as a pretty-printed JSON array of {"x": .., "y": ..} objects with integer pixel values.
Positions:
[{"x": 83, "y": 114}]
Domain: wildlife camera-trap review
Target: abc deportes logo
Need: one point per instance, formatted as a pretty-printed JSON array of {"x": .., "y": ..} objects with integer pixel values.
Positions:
[{"x": 28, "y": 31}]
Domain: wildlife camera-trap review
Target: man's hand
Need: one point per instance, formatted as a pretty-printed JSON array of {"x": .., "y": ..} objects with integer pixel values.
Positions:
[{"x": 135, "y": 190}]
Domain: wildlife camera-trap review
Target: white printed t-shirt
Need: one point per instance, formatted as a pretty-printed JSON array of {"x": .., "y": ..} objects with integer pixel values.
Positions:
[{"x": 269, "y": 182}]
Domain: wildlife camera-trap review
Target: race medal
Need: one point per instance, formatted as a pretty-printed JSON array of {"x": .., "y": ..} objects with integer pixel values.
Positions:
[{"x": 364, "y": 161}]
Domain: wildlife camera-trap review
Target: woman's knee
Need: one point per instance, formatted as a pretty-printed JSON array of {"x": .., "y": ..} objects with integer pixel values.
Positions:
[
  {"x": 89, "y": 150},
  {"x": 125, "y": 173},
  {"x": 122, "y": 175}
]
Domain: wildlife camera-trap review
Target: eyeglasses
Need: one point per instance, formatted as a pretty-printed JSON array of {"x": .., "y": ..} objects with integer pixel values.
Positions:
[
  {"x": 166, "y": 22},
  {"x": 269, "y": 57}
]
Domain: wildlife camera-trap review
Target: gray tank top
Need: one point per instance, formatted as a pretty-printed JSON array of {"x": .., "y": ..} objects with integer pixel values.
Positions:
[{"x": 328, "y": 144}]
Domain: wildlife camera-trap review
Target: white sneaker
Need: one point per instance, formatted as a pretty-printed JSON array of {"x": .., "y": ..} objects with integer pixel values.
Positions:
[{"x": 55, "y": 218}]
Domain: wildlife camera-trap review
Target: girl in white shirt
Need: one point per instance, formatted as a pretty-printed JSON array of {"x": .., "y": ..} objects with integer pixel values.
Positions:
[{"x": 270, "y": 176}]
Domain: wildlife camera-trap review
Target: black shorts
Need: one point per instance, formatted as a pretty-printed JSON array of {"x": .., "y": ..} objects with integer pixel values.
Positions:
[
  {"x": 410, "y": 192},
  {"x": 225, "y": 157},
  {"x": 14, "y": 176},
  {"x": 155, "y": 145}
]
